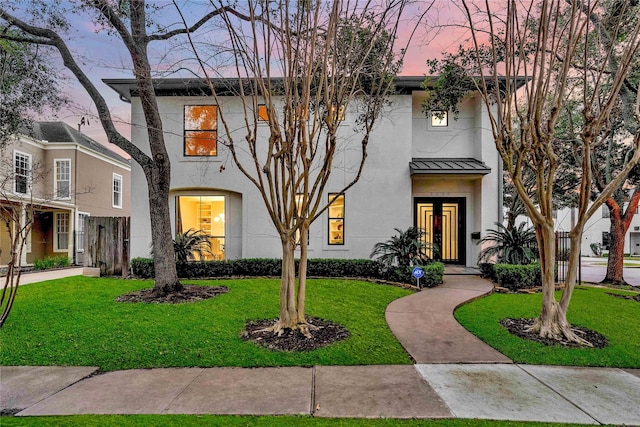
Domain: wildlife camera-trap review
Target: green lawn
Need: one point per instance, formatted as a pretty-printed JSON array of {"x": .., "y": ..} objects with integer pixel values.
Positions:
[
  {"x": 246, "y": 421},
  {"x": 75, "y": 321},
  {"x": 590, "y": 307}
]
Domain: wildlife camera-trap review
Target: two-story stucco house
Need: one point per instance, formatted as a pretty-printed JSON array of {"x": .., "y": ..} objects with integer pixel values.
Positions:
[
  {"x": 61, "y": 177},
  {"x": 443, "y": 175}
]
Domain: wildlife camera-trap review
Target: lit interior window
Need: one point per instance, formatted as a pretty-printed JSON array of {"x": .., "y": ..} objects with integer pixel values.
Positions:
[
  {"x": 336, "y": 220},
  {"x": 263, "y": 113},
  {"x": 200, "y": 130},
  {"x": 439, "y": 119},
  {"x": 207, "y": 214}
]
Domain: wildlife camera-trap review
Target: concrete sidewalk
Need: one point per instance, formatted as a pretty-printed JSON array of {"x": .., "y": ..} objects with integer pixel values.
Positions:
[
  {"x": 41, "y": 276},
  {"x": 456, "y": 376},
  {"x": 484, "y": 391}
]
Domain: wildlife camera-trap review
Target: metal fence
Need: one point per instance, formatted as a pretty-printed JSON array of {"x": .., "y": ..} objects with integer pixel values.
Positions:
[{"x": 563, "y": 248}]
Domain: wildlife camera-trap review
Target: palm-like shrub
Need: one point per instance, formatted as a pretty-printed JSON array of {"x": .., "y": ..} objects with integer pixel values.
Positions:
[
  {"x": 510, "y": 246},
  {"x": 404, "y": 249},
  {"x": 191, "y": 245}
]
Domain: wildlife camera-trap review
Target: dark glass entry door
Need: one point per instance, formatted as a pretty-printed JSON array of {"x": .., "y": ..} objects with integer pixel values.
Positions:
[{"x": 443, "y": 221}]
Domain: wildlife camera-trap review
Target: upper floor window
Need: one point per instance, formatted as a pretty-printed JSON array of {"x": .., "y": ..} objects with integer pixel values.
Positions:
[
  {"x": 336, "y": 219},
  {"x": 439, "y": 119},
  {"x": 22, "y": 172},
  {"x": 200, "y": 130},
  {"x": 62, "y": 183},
  {"x": 117, "y": 190},
  {"x": 605, "y": 211}
]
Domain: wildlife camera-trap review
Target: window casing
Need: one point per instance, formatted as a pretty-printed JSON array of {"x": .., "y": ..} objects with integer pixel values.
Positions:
[
  {"x": 22, "y": 172},
  {"x": 336, "y": 219},
  {"x": 62, "y": 231},
  {"x": 200, "y": 130},
  {"x": 62, "y": 183},
  {"x": 117, "y": 191}
]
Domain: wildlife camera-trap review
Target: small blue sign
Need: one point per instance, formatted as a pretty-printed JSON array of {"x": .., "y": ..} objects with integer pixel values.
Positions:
[{"x": 417, "y": 272}]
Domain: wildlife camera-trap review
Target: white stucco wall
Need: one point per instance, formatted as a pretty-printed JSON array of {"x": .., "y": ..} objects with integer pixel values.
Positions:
[
  {"x": 594, "y": 228},
  {"x": 382, "y": 200}
]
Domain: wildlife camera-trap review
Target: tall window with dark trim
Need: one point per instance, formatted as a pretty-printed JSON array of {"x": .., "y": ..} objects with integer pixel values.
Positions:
[
  {"x": 200, "y": 130},
  {"x": 606, "y": 240},
  {"x": 22, "y": 172},
  {"x": 336, "y": 219}
]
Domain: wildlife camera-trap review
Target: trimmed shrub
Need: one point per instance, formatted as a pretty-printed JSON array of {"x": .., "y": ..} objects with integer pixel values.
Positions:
[
  {"x": 343, "y": 268},
  {"x": 487, "y": 270},
  {"x": 433, "y": 273},
  {"x": 514, "y": 277},
  {"x": 256, "y": 267},
  {"x": 47, "y": 263},
  {"x": 198, "y": 269},
  {"x": 365, "y": 268},
  {"x": 143, "y": 268}
]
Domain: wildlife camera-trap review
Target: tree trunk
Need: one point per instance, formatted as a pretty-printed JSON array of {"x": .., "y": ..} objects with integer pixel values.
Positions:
[
  {"x": 302, "y": 276},
  {"x": 615, "y": 262},
  {"x": 166, "y": 275},
  {"x": 288, "y": 315},
  {"x": 158, "y": 171},
  {"x": 552, "y": 322},
  {"x": 620, "y": 224}
]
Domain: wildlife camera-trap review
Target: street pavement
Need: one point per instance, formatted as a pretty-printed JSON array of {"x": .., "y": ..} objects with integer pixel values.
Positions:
[
  {"x": 593, "y": 270},
  {"x": 455, "y": 376}
]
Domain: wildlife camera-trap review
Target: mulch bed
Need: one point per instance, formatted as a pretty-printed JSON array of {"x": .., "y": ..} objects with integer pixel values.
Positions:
[
  {"x": 631, "y": 297},
  {"x": 326, "y": 334},
  {"x": 518, "y": 326},
  {"x": 189, "y": 293}
]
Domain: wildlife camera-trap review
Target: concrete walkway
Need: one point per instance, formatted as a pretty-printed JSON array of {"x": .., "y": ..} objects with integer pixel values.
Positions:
[
  {"x": 41, "y": 276},
  {"x": 456, "y": 377},
  {"x": 425, "y": 326}
]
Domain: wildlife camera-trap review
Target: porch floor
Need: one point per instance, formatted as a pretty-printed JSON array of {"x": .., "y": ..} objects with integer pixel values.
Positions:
[{"x": 460, "y": 270}]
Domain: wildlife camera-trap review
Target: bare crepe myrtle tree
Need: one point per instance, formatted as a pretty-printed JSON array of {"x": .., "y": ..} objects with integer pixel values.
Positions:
[
  {"x": 43, "y": 24},
  {"x": 17, "y": 213},
  {"x": 306, "y": 63},
  {"x": 560, "y": 65}
]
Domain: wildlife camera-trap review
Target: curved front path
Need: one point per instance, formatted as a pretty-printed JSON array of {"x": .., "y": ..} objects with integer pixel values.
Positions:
[{"x": 425, "y": 326}]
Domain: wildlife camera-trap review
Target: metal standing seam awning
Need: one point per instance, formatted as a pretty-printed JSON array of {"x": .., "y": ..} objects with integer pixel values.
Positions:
[{"x": 448, "y": 167}]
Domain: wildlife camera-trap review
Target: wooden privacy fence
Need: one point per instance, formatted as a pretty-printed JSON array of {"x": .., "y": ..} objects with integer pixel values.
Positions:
[{"x": 106, "y": 245}]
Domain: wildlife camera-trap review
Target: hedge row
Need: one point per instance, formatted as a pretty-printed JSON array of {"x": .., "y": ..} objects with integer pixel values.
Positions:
[
  {"x": 513, "y": 277},
  {"x": 143, "y": 268}
]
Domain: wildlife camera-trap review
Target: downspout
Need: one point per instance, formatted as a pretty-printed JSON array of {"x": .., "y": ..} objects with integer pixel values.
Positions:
[{"x": 75, "y": 204}]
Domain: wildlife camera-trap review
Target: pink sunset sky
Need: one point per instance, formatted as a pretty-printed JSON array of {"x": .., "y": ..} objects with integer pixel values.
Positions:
[{"x": 105, "y": 56}]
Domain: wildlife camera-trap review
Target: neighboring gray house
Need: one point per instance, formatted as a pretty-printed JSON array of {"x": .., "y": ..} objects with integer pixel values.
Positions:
[
  {"x": 76, "y": 178},
  {"x": 442, "y": 175}
]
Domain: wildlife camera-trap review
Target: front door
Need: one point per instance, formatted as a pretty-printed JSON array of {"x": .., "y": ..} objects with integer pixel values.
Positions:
[{"x": 443, "y": 221}]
